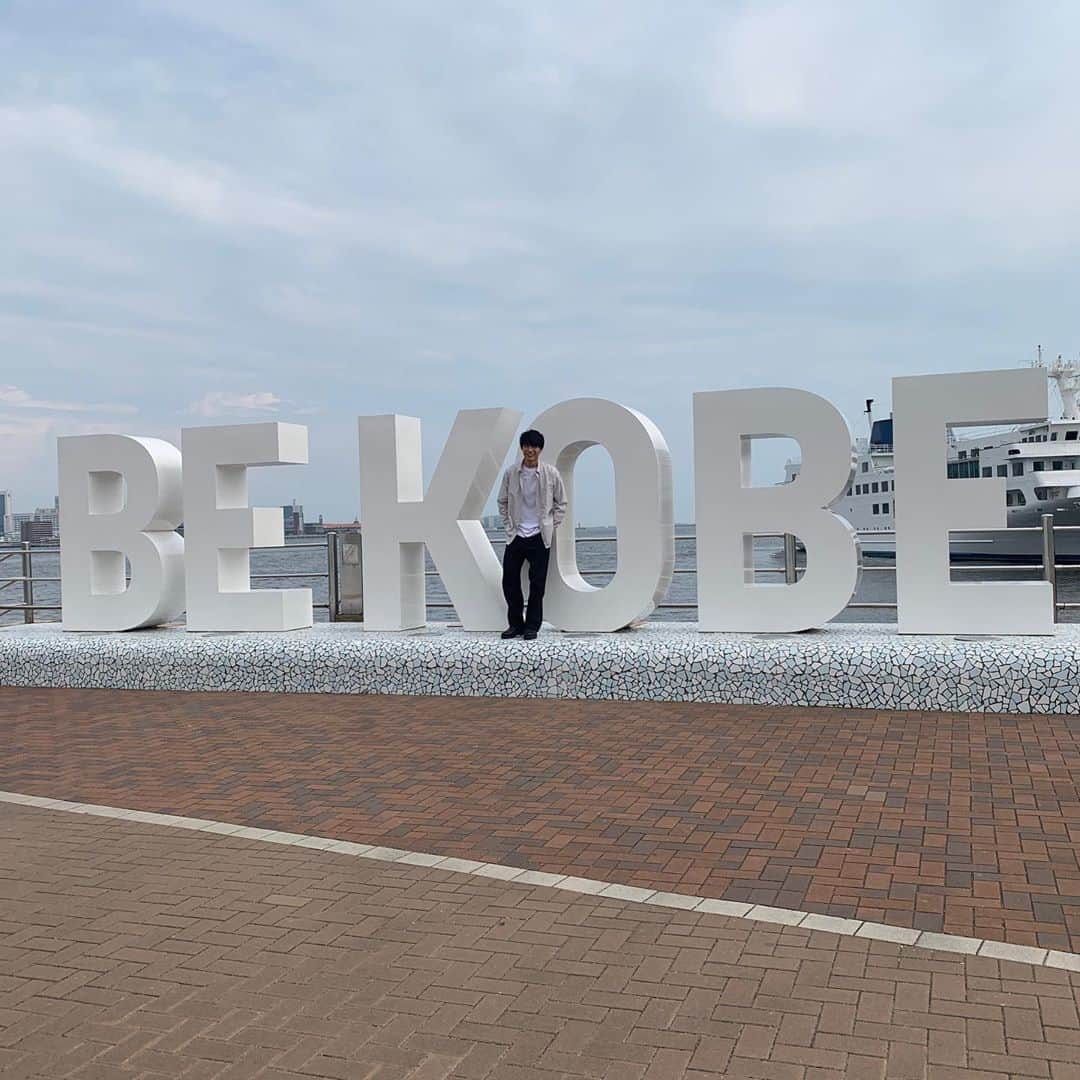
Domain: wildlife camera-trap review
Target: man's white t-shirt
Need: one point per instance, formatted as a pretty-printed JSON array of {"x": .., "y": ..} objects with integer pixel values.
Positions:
[{"x": 530, "y": 502}]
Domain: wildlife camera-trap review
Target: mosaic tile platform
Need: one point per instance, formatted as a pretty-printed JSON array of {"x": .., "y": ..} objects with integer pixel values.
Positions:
[{"x": 844, "y": 665}]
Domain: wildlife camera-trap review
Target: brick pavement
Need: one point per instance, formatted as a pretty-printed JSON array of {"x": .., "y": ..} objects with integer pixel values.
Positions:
[
  {"x": 136, "y": 950},
  {"x": 956, "y": 822}
]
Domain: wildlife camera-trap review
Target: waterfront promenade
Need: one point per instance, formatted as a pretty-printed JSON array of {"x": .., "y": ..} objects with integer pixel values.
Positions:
[{"x": 129, "y": 948}]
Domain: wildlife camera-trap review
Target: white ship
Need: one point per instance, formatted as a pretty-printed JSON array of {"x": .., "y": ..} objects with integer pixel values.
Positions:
[{"x": 1040, "y": 464}]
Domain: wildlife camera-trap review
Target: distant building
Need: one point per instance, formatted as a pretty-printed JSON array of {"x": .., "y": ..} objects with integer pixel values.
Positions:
[
  {"x": 50, "y": 514},
  {"x": 46, "y": 517},
  {"x": 293, "y": 518},
  {"x": 35, "y": 532},
  {"x": 7, "y": 515},
  {"x": 493, "y": 522}
]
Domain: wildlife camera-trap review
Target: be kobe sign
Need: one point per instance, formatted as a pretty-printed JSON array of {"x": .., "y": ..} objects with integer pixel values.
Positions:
[{"x": 121, "y": 498}]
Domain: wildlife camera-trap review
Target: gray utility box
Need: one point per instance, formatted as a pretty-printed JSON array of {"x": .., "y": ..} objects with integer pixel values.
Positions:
[{"x": 350, "y": 577}]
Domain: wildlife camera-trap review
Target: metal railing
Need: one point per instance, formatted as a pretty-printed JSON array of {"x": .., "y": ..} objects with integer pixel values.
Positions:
[
  {"x": 28, "y": 578},
  {"x": 1048, "y": 567},
  {"x": 608, "y": 573}
]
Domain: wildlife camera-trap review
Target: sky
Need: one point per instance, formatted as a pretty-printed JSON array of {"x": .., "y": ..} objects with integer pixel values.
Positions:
[{"x": 222, "y": 212}]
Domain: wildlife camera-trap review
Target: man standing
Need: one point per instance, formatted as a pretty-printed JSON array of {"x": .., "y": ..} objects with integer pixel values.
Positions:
[{"x": 532, "y": 503}]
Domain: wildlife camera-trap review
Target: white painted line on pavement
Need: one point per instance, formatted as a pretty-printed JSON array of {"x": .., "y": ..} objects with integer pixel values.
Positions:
[{"x": 702, "y": 905}]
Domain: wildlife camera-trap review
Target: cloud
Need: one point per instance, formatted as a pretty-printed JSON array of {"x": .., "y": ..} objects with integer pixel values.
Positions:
[
  {"x": 776, "y": 66},
  {"x": 30, "y": 441},
  {"x": 213, "y": 193},
  {"x": 413, "y": 208},
  {"x": 204, "y": 190},
  {"x": 14, "y": 397},
  {"x": 18, "y": 433},
  {"x": 222, "y": 403}
]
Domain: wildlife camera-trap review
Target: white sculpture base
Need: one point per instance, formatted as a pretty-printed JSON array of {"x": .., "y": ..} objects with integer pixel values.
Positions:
[{"x": 846, "y": 666}]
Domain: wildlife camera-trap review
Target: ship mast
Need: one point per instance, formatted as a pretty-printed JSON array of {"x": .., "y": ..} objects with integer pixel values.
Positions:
[{"x": 1066, "y": 377}]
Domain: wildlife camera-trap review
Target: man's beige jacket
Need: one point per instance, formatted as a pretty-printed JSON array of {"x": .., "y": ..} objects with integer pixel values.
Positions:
[{"x": 552, "y": 500}]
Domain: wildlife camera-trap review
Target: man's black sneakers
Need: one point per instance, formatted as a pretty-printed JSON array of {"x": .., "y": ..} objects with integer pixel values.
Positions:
[
  {"x": 510, "y": 632},
  {"x": 529, "y": 635}
]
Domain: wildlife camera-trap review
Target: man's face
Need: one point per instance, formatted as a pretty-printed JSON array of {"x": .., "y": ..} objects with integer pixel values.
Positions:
[{"x": 530, "y": 455}]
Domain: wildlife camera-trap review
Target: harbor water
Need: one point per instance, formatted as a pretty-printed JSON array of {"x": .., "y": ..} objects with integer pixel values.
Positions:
[{"x": 596, "y": 561}]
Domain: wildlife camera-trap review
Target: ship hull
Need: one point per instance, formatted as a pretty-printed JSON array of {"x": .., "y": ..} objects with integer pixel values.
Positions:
[
  {"x": 1020, "y": 543},
  {"x": 1005, "y": 546}
]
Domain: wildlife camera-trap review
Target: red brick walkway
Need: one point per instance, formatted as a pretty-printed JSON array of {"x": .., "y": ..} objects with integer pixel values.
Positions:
[
  {"x": 132, "y": 950},
  {"x": 967, "y": 824}
]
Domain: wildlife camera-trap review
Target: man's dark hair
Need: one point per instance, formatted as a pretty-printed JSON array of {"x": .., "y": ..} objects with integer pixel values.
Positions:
[{"x": 532, "y": 437}]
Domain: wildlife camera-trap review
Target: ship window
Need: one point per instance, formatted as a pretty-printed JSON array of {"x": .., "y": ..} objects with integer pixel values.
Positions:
[
  {"x": 884, "y": 508},
  {"x": 877, "y": 508},
  {"x": 1014, "y": 450},
  {"x": 952, "y": 470},
  {"x": 1037, "y": 466},
  {"x": 849, "y": 492},
  {"x": 1058, "y": 465},
  {"x": 1018, "y": 468},
  {"x": 866, "y": 466},
  {"x": 874, "y": 488},
  {"x": 1070, "y": 436},
  {"x": 1053, "y": 436},
  {"x": 1044, "y": 493},
  {"x": 988, "y": 470},
  {"x": 1015, "y": 497},
  {"x": 1003, "y": 470},
  {"x": 884, "y": 485},
  {"x": 963, "y": 455}
]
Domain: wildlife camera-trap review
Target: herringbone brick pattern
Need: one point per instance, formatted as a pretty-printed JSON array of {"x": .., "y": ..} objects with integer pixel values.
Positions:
[
  {"x": 964, "y": 823},
  {"x": 131, "y": 950}
]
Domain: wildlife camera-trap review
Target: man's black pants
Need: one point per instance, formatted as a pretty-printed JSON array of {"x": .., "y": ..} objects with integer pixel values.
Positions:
[{"x": 525, "y": 549}]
